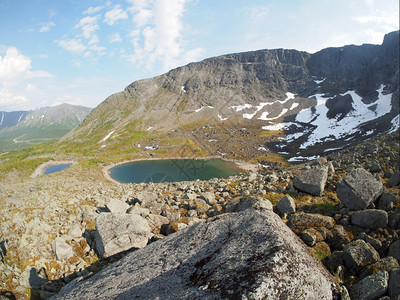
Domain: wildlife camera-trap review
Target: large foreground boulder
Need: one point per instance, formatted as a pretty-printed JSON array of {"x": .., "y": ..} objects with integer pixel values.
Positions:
[
  {"x": 358, "y": 189},
  {"x": 245, "y": 255},
  {"x": 119, "y": 232}
]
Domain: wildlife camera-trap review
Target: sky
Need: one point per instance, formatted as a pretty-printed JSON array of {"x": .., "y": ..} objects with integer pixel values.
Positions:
[{"x": 82, "y": 51}]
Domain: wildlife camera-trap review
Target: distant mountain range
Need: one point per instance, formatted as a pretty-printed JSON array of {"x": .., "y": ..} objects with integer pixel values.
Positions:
[{"x": 19, "y": 129}]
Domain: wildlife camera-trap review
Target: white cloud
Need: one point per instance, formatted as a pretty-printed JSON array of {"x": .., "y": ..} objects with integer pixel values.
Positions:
[
  {"x": 159, "y": 36},
  {"x": 142, "y": 17},
  {"x": 46, "y": 27},
  {"x": 115, "y": 38},
  {"x": 114, "y": 15},
  {"x": 72, "y": 45},
  {"x": 93, "y": 10},
  {"x": 89, "y": 26},
  {"x": 15, "y": 70}
]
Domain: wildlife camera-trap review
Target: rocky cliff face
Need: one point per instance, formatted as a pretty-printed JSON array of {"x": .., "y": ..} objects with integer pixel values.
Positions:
[{"x": 335, "y": 97}]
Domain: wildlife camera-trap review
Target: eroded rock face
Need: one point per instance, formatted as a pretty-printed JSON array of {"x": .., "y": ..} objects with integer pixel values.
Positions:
[
  {"x": 249, "y": 254},
  {"x": 119, "y": 232},
  {"x": 359, "y": 189}
]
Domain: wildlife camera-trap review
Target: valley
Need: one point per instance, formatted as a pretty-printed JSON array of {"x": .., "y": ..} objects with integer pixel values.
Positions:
[{"x": 284, "y": 112}]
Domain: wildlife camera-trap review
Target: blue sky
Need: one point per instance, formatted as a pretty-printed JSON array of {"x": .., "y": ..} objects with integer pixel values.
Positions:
[{"x": 80, "y": 52}]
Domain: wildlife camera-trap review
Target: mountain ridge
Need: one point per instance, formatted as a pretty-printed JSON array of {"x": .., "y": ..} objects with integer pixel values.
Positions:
[
  {"x": 20, "y": 129},
  {"x": 251, "y": 89}
]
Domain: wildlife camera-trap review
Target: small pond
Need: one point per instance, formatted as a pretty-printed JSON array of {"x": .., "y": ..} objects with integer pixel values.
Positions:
[
  {"x": 173, "y": 170},
  {"x": 56, "y": 168}
]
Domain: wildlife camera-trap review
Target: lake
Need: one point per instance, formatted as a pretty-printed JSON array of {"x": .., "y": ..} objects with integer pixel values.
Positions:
[
  {"x": 173, "y": 170},
  {"x": 56, "y": 168}
]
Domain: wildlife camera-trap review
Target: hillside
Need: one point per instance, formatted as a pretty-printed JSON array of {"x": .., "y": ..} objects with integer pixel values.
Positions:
[
  {"x": 20, "y": 129},
  {"x": 286, "y": 101}
]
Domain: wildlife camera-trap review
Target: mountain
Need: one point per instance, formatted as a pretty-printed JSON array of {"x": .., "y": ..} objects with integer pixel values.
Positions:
[
  {"x": 19, "y": 129},
  {"x": 249, "y": 104}
]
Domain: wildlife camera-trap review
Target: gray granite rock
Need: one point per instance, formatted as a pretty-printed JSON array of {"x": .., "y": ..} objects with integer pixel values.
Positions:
[
  {"x": 61, "y": 249},
  {"x": 116, "y": 206},
  {"x": 359, "y": 254},
  {"x": 394, "y": 179},
  {"x": 394, "y": 284},
  {"x": 394, "y": 250},
  {"x": 115, "y": 233},
  {"x": 358, "y": 189},
  {"x": 370, "y": 218},
  {"x": 371, "y": 287},
  {"x": 312, "y": 181},
  {"x": 246, "y": 255},
  {"x": 286, "y": 205},
  {"x": 387, "y": 201}
]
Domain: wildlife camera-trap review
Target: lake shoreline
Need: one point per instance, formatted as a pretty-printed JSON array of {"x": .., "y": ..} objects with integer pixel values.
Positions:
[
  {"x": 245, "y": 166},
  {"x": 40, "y": 170}
]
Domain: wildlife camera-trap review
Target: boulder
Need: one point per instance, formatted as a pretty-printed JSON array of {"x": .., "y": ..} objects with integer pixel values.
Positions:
[
  {"x": 387, "y": 201},
  {"x": 371, "y": 287},
  {"x": 286, "y": 205},
  {"x": 394, "y": 179},
  {"x": 312, "y": 181},
  {"x": 311, "y": 236},
  {"x": 394, "y": 250},
  {"x": 3, "y": 248},
  {"x": 62, "y": 250},
  {"x": 251, "y": 202},
  {"x": 359, "y": 254},
  {"x": 250, "y": 254},
  {"x": 116, "y": 206},
  {"x": 146, "y": 198},
  {"x": 115, "y": 233},
  {"x": 394, "y": 284},
  {"x": 370, "y": 218},
  {"x": 209, "y": 197},
  {"x": 358, "y": 189},
  {"x": 298, "y": 222}
]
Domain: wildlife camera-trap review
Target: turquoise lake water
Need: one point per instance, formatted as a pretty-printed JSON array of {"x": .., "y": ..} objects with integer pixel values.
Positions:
[{"x": 173, "y": 170}]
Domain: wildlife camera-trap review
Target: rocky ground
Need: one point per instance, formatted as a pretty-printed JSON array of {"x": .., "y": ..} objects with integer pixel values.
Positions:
[{"x": 49, "y": 234}]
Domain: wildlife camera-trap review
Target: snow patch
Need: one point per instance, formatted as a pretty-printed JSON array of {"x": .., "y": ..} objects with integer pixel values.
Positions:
[
  {"x": 79, "y": 119},
  {"x": 294, "y": 105},
  {"x": 199, "y": 109},
  {"x": 319, "y": 81},
  {"x": 149, "y": 128},
  {"x": 107, "y": 136},
  {"x": 332, "y": 129},
  {"x": 183, "y": 89},
  {"x": 221, "y": 118},
  {"x": 302, "y": 158},
  {"x": 2, "y": 118},
  {"x": 241, "y": 107},
  {"x": 279, "y": 126},
  {"x": 265, "y": 114}
]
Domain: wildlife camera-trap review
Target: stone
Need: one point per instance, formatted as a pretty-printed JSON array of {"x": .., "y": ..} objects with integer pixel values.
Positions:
[
  {"x": 298, "y": 222},
  {"x": 3, "y": 248},
  {"x": 209, "y": 197},
  {"x": 394, "y": 284},
  {"x": 311, "y": 236},
  {"x": 286, "y": 205},
  {"x": 387, "y": 201},
  {"x": 259, "y": 203},
  {"x": 358, "y": 189},
  {"x": 394, "y": 250},
  {"x": 246, "y": 255},
  {"x": 370, "y": 218},
  {"x": 75, "y": 231},
  {"x": 312, "y": 181},
  {"x": 116, "y": 206},
  {"x": 340, "y": 237},
  {"x": 146, "y": 198},
  {"x": 394, "y": 180},
  {"x": 387, "y": 263},
  {"x": 369, "y": 239},
  {"x": 62, "y": 250},
  {"x": 359, "y": 254},
  {"x": 371, "y": 287},
  {"x": 375, "y": 167},
  {"x": 115, "y": 233}
]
